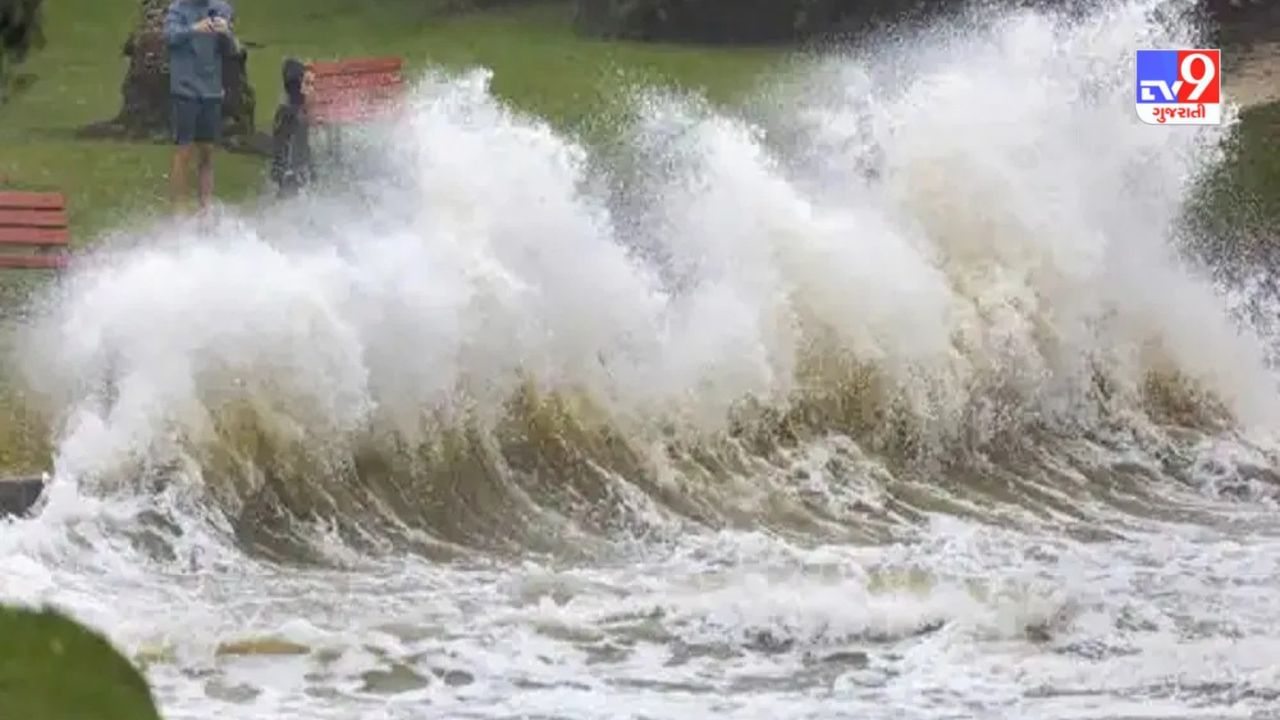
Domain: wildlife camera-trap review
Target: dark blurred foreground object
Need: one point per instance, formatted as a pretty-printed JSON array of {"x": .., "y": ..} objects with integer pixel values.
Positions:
[
  {"x": 52, "y": 668},
  {"x": 144, "y": 112},
  {"x": 20, "y": 33}
]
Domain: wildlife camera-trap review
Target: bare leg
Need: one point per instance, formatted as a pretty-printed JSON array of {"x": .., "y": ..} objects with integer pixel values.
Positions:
[
  {"x": 178, "y": 176},
  {"x": 206, "y": 174}
]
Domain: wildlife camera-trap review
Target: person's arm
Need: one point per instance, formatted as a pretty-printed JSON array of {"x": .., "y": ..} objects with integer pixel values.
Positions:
[
  {"x": 176, "y": 29},
  {"x": 227, "y": 15}
]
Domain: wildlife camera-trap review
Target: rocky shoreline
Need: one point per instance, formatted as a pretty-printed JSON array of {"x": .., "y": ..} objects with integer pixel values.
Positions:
[{"x": 19, "y": 494}]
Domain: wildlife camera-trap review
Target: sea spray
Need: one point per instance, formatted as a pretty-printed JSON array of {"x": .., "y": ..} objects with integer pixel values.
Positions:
[
  {"x": 1006, "y": 268},
  {"x": 886, "y": 396}
]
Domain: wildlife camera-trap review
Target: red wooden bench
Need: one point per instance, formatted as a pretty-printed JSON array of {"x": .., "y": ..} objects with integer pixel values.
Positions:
[
  {"x": 349, "y": 91},
  {"x": 35, "y": 225}
]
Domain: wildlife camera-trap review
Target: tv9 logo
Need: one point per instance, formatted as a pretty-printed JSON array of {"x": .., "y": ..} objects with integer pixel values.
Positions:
[{"x": 1179, "y": 87}]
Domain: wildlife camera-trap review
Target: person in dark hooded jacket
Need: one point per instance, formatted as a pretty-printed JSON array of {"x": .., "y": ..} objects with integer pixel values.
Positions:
[{"x": 291, "y": 166}]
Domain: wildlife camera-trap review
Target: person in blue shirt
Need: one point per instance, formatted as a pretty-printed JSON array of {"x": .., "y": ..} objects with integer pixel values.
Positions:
[{"x": 199, "y": 36}]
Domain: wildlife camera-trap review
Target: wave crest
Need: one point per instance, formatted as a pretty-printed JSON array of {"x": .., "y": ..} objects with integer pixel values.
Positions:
[{"x": 942, "y": 256}]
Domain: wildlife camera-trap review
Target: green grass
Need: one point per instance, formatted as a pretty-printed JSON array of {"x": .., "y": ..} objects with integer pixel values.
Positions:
[
  {"x": 540, "y": 65},
  {"x": 53, "y": 668}
]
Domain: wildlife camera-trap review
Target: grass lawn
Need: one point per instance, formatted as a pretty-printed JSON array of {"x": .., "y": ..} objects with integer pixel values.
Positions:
[{"x": 539, "y": 63}]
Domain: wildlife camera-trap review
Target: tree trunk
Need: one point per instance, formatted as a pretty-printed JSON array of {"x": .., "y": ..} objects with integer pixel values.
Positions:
[
  {"x": 144, "y": 112},
  {"x": 20, "y": 32}
]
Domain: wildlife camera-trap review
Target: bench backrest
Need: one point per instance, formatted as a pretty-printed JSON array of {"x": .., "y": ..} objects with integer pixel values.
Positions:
[
  {"x": 35, "y": 226},
  {"x": 349, "y": 91}
]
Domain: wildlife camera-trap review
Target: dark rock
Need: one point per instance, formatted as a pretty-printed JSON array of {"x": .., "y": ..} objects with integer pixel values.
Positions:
[
  {"x": 19, "y": 495},
  {"x": 1039, "y": 632},
  {"x": 239, "y": 693},
  {"x": 766, "y": 642},
  {"x": 398, "y": 679},
  {"x": 454, "y": 678},
  {"x": 852, "y": 658}
]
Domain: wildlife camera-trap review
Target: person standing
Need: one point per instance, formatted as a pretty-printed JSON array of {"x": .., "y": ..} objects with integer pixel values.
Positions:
[
  {"x": 292, "y": 168},
  {"x": 199, "y": 36}
]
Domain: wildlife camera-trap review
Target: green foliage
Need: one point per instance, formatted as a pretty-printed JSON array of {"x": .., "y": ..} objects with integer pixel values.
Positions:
[
  {"x": 1256, "y": 167},
  {"x": 1235, "y": 214},
  {"x": 21, "y": 31},
  {"x": 53, "y": 668}
]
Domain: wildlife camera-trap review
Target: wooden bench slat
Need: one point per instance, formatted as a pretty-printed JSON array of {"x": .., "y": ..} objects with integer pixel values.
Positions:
[
  {"x": 33, "y": 262},
  {"x": 355, "y": 99},
  {"x": 33, "y": 218},
  {"x": 355, "y": 66},
  {"x": 336, "y": 82},
  {"x": 343, "y": 116},
  {"x": 357, "y": 94},
  {"x": 355, "y": 89},
  {"x": 32, "y": 200},
  {"x": 33, "y": 221},
  {"x": 34, "y": 236},
  {"x": 347, "y": 102},
  {"x": 351, "y": 113}
]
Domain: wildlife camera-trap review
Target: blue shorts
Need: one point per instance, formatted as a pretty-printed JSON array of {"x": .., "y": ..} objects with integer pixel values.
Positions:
[{"x": 196, "y": 120}]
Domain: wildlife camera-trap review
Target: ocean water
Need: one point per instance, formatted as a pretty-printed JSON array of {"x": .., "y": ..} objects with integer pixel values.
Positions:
[{"x": 889, "y": 392}]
